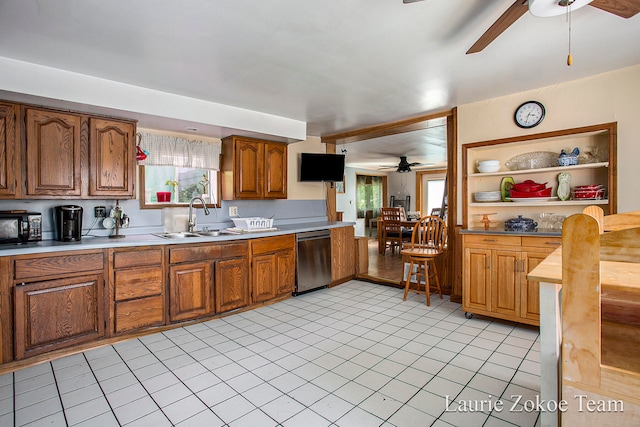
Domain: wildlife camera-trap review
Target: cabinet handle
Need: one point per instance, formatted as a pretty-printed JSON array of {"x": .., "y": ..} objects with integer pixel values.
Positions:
[
  {"x": 487, "y": 263},
  {"x": 517, "y": 265},
  {"x": 553, "y": 243},
  {"x": 489, "y": 240}
]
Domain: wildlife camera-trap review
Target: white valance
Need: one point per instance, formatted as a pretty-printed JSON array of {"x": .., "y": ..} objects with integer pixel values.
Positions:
[{"x": 164, "y": 150}]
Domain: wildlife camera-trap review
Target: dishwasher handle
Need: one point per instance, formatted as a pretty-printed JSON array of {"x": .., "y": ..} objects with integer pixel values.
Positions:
[{"x": 313, "y": 235}]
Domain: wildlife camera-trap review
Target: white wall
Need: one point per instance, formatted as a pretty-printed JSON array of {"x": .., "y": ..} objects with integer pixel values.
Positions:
[{"x": 608, "y": 97}]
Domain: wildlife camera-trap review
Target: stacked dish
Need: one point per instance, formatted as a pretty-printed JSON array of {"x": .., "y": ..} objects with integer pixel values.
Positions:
[
  {"x": 486, "y": 166},
  {"x": 487, "y": 196}
]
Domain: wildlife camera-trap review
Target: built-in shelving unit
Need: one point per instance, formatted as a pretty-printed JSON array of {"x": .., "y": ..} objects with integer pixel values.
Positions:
[{"x": 598, "y": 138}]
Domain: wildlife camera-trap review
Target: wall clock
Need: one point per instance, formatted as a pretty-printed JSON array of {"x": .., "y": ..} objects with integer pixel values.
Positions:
[{"x": 529, "y": 114}]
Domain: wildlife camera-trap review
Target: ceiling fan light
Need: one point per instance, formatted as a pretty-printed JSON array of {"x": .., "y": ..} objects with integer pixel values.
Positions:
[{"x": 545, "y": 8}]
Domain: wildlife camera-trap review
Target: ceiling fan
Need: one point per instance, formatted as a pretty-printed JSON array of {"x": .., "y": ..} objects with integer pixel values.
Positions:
[
  {"x": 404, "y": 166},
  {"x": 622, "y": 8}
]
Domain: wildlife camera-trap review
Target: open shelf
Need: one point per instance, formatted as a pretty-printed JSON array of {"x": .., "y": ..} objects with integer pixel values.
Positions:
[
  {"x": 542, "y": 170},
  {"x": 598, "y": 138}
]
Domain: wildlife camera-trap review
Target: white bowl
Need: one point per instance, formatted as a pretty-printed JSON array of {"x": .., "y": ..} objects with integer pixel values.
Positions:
[
  {"x": 489, "y": 168},
  {"x": 489, "y": 163}
]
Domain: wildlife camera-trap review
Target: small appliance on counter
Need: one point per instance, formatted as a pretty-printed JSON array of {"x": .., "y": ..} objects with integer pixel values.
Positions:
[
  {"x": 20, "y": 226},
  {"x": 68, "y": 223}
]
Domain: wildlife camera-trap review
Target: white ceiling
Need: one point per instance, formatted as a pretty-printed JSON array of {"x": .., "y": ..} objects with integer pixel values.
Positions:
[{"x": 335, "y": 65}]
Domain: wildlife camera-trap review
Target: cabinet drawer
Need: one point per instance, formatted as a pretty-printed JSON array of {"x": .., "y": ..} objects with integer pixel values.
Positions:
[
  {"x": 272, "y": 244},
  {"x": 193, "y": 253},
  {"x": 549, "y": 242},
  {"x": 25, "y": 268},
  {"x": 212, "y": 252},
  {"x": 492, "y": 239},
  {"x": 139, "y": 313},
  {"x": 137, "y": 258},
  {"x": 138, "y": 282}
]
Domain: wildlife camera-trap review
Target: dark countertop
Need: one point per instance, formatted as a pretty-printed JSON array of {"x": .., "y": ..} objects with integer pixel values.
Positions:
[
  {"x": 89, "y": 242},
  {"x": 511, "y": 233}
]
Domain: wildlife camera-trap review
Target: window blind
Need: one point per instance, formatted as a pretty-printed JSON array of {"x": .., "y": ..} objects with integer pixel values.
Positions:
[{"x": 164, "y": 150}]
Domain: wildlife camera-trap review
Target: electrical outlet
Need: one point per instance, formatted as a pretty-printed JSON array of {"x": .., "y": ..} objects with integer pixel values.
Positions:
[
  {"x": 233, "y": 211},
  {"x": 100, "y": 211}
]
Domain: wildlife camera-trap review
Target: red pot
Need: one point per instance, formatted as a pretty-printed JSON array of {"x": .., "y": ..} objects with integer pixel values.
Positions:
[
  {"x": 526, "y": 194},
  {"x": 529, "y": 186}
]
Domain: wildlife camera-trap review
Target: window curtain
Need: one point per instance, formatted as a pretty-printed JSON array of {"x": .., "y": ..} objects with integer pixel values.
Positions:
[
  {"x": 368, "y": 195},
  {"x": 163, "y": 150}
]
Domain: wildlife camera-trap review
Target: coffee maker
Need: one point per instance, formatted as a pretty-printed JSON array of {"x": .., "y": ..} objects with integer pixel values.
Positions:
[{"x": 68, "y": 220}]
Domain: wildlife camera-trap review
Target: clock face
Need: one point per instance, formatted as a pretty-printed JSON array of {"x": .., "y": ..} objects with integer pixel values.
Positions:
[{"x": 529, "y": 114}]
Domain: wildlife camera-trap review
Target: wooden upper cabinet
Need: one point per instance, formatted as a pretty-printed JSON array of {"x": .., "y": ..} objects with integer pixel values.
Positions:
[
  {"x": 53, "y": 153},
  {"x": 253, "y": 169},
  {"x": 275, "y": 171},
  {"x": 248, "y": 169},
  {"x": 9, "y": 151},
  {"x": 111, "y": 158}
]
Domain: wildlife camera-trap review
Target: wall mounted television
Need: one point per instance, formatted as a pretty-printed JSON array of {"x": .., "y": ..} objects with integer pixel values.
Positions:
[{"x": 321, "y": 167}]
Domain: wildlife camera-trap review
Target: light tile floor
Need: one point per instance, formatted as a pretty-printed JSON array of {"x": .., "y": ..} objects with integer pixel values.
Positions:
[{"x": 353, "y": 355}]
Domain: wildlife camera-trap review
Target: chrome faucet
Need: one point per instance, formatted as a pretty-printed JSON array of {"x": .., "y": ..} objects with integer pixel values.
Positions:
[{"x": 192, "y": 219}]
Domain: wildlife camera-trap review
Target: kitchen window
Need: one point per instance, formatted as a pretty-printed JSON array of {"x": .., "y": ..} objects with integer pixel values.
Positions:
[{"x": 173, "y": 170}]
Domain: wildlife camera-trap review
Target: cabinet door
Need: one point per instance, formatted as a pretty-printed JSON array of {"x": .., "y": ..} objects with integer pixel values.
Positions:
[
  {"x": 53, "y": 153},
  {"x": 285, "y": 272},
  {"x": 343, "y": 247},
  {"x": 9, "y": 150},
  {"x": 231, "y": 284},
  {"x": 190, "y": 291},
  {"x": 530, "y": 289},
  {"x": 111, "y": 158},
  {"x": 264, "y": 277},
  {"x": 248, "y": 169},
  {"x": 505, "y": 293},
  {"x": 476, "y": 279},
  {"x": 275, "y": 169},
  {"x": 57, "y": 313}
]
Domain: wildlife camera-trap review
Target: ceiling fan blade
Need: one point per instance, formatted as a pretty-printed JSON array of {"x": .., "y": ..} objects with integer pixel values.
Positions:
[
  {"x": 410, "y": 1},
  {"x": 511, "y": 15},
  {"x": 621, "y": 8}
]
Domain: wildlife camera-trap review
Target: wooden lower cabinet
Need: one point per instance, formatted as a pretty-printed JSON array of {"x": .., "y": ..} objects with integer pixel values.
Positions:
[
  {"x": 494, "y": 281},
  {"x": 205, "y": 279},
  {"x": 191, "y": 291},
  {"x": 232, "y": 283},
  {"x": 138, "y": 296},
  {"x": 58, "y": 300},
  {"x": 343, "y": 254},
  {"x": 57, "y": 313},
  {"x": 273, "y": 265}
]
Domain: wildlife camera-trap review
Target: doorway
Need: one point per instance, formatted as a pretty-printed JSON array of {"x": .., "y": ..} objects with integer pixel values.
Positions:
[
  {"x": 388, "y": 269},
  {"x": 371, "y": 192}
]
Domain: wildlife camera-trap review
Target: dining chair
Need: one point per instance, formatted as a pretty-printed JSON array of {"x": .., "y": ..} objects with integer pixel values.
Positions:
[
  {"x": 596, "y": 212},
  {"x": 429, "y": 239},
  {"x": 393, "y": 234}
]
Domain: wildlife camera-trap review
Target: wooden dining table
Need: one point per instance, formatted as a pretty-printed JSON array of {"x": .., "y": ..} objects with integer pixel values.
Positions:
[{"x": 405, "y": 224}]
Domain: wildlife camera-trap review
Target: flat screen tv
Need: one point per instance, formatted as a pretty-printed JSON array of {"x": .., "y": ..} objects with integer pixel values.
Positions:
[{"x": 321, "y": 167}]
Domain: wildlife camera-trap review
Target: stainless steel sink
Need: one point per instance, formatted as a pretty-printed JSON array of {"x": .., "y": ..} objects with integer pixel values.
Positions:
[
  {"x": 177, "y": 235},
  {"x": 208, "y": 233}
]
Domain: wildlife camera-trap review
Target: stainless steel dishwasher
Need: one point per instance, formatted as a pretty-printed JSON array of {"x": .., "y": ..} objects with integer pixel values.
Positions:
[{"x": 313, "y": 269}]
